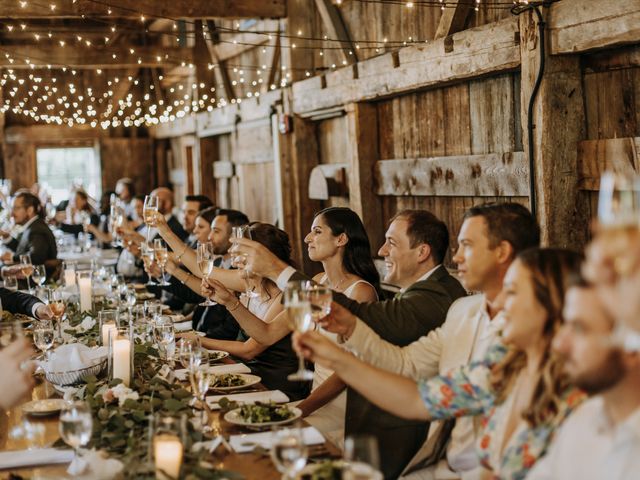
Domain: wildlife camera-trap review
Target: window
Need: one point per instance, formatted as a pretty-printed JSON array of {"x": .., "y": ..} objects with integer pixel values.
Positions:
[{"x": 60, "y": 169}]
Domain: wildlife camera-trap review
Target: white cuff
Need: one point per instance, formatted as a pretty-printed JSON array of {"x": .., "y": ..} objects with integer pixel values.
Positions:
[
  {"x": 284, "y": 277},
  {"x": 35, "y": 308}
]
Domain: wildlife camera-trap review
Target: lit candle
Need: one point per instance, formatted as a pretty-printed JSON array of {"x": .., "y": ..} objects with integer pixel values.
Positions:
[
  {"x": 167, "y": 450},
  {"x": 107, "y": 329},
  {"x": 69, "y": 277},
  {"x": 122, "y": 359},
  {"x": 84, "y": 284}
]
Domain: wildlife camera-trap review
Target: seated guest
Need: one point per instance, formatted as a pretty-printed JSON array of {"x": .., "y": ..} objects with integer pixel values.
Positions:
[
  {"x": 36, "y": 237},
  {"x": 100, "y": 231},
  {"x": 79, "y": 212},
  {"x": 23, "y": 303},
  {"x": 415, "y": 247},
  {"x": 126, "y": 190},
  {"x": 275, "y": 362},
  {"x": 16, "y": 378},
  {"x": 192, "y": 205},
  {"x": 519, "y": 391},
  {"x": 165, "y": 208},
  {"x": 601, "y": 438}
]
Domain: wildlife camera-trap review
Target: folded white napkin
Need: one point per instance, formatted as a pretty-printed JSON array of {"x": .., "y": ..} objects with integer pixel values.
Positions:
[
  {"x": 218, "y": 370},
  {"x": 268, "y": 396},
  {"x": 95, "y": 465},
  {"x": 247, "y": 442},
  {"x": 183, "y": 326},
  {"x": 37, "y": 456},
  {"x": 73, "y": 357},
  {"x": 87, "y": 324}
]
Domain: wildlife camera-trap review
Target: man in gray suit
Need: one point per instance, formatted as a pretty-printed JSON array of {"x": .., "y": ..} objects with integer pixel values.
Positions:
[{"x": 36, "y": 237}]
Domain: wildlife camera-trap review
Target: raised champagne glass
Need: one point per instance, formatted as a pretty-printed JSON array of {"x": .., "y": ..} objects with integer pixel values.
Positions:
[
  {"x": 149, "y": 212},
  {"x": 298, "y": 307},
  {"x": 161, "y": 256},
  {"x": 205, "y": 258}
]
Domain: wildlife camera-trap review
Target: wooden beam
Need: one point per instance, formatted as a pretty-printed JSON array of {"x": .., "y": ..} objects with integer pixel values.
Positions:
[
  {"x": 302, "y": 18},
  {"x": 559, "y": 124},
  {"x": 275, "y": 64},
  {"x": 80, "y": 58},
  {"x": 148, "y": 8},
  {"x": 232, "y": 45},
  {"x": 202, "y": 60},
  {"x": 613, "y": 154},
  {"x": 582, "y": 25},
  {"x": 473, "y": 53},
  {"x": 178, "y": 128},
  {"x": 212, "y": 40},
  {"x": 123, "y": 86},
  {"x": 337, "y": 29},
  {"x": 489, "y": 175},
  {"x": 453, "y": 18}
]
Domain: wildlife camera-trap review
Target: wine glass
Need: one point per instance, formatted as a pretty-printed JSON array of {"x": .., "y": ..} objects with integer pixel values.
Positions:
[
  {"x": 11, "y": 283},
  {"x": 76, "y": 425},
  {"x": 320, "y": 298},
  {"x": 162, "y": 255},
  {"x": 362, "y": 457},
  {"x": 200, "y": 378},
  {"x": 288, "y": 451},
  {"x": 43, "y": 335},
  {"x": 205, "y": 258},
  {"x": 190, "y": 352},
  {"x": 39, "y": 275},
  {"x": 298, "y": 306},
  {"x": 118, "y": 223},
  {"x": 239, "y": 259},
  {"x": 165, "y": 335},
  {"x": 27, "y": 268},
  {"x": 149, "y": 212},
  {"x": 130, "y": 299},
  {"x": 148, "y": 255},
  {"x": 58, "y": 307}
]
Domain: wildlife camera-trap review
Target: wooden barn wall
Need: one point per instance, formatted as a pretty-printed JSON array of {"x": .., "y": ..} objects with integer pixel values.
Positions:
[
  {"x": 478, "y": 117},
  {"x": 334, "y": 147}
]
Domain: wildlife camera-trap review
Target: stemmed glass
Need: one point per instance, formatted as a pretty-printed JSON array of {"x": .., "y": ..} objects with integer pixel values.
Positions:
[
  {"x": 11, "y": 283},
  {"x": 362, "y": 457},
  {"x": 205, "y": 258},
  {"x": 76, "y": 425},
  {"x": 43, "y": 335},
  {"x": 27, "y": 268},
  {"x": 289, "y": 453},
  {"x": 39, "y": 275},
  {"x": 298, "y": 306},
  {"x": 240, "y": 259},
  {"x": 149, "y": 212},
  {"x": 118, "y": 223},
  {"x": 190, "y": 352},
  {"x": 200, "y": 378},
  {"x": 165, "y": 335},
  {"x": 58, "y": 307},
  {"x": 320, "y": 298},
  {"x": 162, "y": 255},
  {"x": 130, "y": 299},
  {"x": 148, "y": 255}
]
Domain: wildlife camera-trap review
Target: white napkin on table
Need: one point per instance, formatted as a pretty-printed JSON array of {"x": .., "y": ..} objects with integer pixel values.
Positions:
[
  {"x": 73, "y": 357},
  {"x": 267, "y": 396},
  {"x": 183, "y": 326},
  {"x": 95, "y": 465},
  {"x": 218, "y": 370},
  {"x": 248, "y": 441},
  {"x": 37, "y": 456}
]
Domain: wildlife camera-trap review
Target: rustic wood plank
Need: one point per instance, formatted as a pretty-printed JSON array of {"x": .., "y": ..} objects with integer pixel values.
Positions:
[
  {"x": 614, "y": 154},
  {"x": 476, "y": 52},
  {"x": 253, "y": 145},
  {"x": 180, "y": 126},
  {"x": 150, "y": 8},
  {"x": 562, "y": 210},
  {"x": 494, "y": 174},
  {"x": 492, "y": 113},
  {"x": 457, "y": 120},
  {"x": 328, "y": 180},
  {"x": 453, "y": 18},
  {"x": 301, "y": 20},
  {"x": 337, "y": 29},
  {"x": 582, "y": 25},
  {"x": 94, "y": 57}
]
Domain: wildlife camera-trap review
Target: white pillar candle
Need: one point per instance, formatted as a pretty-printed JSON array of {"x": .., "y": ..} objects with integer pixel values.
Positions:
[
  {"x": 84, "y": 284},
  {"x": 107, "y": 329},
  {"x": 167, "y": 451},
  {"x": 122, "y": 359},
  {"x": 69, "y": 277}
]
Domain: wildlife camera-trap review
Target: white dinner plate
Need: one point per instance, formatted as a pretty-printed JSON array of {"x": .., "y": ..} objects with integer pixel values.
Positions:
[
  {"x": 216, "y": 355},
  {"x": 48, "y": 406},
  {"x": 249, "y": 380},
  {"x": 234, "y": 417}
]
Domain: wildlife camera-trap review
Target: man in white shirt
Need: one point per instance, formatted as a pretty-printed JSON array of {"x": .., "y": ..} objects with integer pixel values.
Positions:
[
  {"x": 601, "y": 438},
  {"x": 489, "y": 239}
]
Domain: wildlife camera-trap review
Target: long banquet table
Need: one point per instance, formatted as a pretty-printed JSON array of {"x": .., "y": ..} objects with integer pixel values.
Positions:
[{"x": 249, "y": 465}]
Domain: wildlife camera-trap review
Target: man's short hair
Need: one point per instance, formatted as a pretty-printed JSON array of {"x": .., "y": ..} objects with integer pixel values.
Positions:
[
  {"x": 425, "y": 227},
  {"x": 29, "y": 200},
  {"x": 203, "y": 201},
  {"x": 508, "y": 222},
  {"x": 234, "y": 217},
  {"x": 129, "y": 183}
]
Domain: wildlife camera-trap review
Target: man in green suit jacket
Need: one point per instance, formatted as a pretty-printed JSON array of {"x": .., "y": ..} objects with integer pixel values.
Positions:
[{"x": 415, "y": 246}]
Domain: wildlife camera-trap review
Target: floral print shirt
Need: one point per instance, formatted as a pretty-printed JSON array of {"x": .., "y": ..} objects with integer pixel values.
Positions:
[{"x": 468, "y": 391}]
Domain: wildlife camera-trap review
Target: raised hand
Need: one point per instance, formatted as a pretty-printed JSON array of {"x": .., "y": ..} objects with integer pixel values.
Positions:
[
  {"x": 260, "y": 260},
  {"x": 319, "y": 349},
  {"x": 340, "y": 321}
]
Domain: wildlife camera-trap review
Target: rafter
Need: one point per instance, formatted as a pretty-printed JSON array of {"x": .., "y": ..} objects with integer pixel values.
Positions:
[
  {"x": 222, "y": 66},
  {"x": 336, "y": 28},
  {"x": 149, "y": 8},
  {"x": 453, "y": 19}
]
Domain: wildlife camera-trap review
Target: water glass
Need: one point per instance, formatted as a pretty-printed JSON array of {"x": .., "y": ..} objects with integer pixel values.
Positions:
[
  {"x": 43, "y": 336},
  {"x": 39, "y": 275},
  {"x": 76, "y": 425},
  {"x": 362, "y": 457},
  {"x": 288, "y": 451},
  {"x": 165, "y": 336},
  {"x": 11, "y": 283}
]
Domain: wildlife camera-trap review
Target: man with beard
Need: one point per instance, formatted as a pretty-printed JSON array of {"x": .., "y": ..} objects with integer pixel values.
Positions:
[{"x": 601, "y": 439}]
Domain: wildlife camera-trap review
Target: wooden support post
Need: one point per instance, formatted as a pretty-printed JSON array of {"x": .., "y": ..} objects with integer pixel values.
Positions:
[
  {"x": 453, "y": 19},
  {"x": 559, "y": 124},
  {"x": 300, "y": 22},
  {"x": 362, "y": 124},
  {"x": 337, "y": 29}
]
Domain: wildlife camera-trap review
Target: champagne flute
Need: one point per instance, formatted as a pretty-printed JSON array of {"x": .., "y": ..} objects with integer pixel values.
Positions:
[
  {"x": 165, "y": 335},
  {"x": 320, "y": 298},
  {"x": 27, "y": 268},
  {"x": 11, "y": 283},
  {"x": 43, "y": 336},
  {"x": 148, "y": 255},
  {"x": 161, "y": 255},
  {"x": 189, "y": 352},
  {"x": 200, "y": 378},
  {"x": 39, "y": 275},
  {"x": 205, "y": 258},
  {"x": 240, "y": 259},
  {"x": 288, "y": 452},
  {"x": 149, "y": 212},
  {"x": 298, "y": 306},
  {"x": 57, "y": 305},
  {"x": 76, "y": 425}
]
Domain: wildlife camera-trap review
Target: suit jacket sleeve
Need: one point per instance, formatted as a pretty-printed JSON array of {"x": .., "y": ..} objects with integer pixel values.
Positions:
[
  {"x": 12, "y": 244},
  {"x": 38, "y": 247},
  {"x": 18, "y": 302},
  {"x": 420, "y": 359}
]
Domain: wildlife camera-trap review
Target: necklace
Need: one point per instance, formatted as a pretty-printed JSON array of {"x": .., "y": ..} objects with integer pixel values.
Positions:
[{"x": 337, "y": 285}]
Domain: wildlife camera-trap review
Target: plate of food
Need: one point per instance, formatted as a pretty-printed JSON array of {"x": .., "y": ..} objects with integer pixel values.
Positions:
[
  {"x": 334, "y": 470},
  {"x": 261, "y": 414},
  {"x": 40, "y": 408},
  {"x": 215, "y": 355},
  {"x": 234, "y": 381}
]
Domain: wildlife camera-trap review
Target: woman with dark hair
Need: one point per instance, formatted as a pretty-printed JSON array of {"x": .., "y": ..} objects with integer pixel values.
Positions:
[
  {"x": 519, "y": 391},
  {"x": 273, "y": 363}
]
